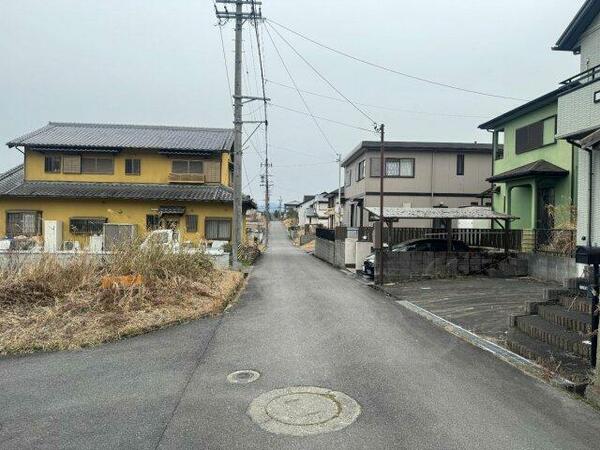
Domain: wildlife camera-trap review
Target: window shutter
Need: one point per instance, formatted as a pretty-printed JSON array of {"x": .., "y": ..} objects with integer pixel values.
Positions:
[{"x": 72, "y": 164}]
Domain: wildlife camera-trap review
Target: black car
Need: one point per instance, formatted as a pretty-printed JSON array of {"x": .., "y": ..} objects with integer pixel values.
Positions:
[{"x": 417, "y": 245}]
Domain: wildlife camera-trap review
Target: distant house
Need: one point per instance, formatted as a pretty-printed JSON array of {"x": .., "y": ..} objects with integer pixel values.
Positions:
[
  {"x": 417, "y": 174},
  {"x": 534, "y": 173},
  {"x": 313, "y": 210},
  {"x": 87, "y": 175},
  {"x": 335, "y": 216},
  {"x": 579, "y": 115}
]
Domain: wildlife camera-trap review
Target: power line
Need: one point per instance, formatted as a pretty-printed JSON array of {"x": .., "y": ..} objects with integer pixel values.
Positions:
[
  {"x": 316, "y": 94},
  {"x": 324, "y": 78},
  {"x": 388, "y": 69},
  {"x": 225, "y": 60},
  {"x": 300, "y": 93},
  {"x": 321, "y": 118},
  {"x": 320, "y": 163}
]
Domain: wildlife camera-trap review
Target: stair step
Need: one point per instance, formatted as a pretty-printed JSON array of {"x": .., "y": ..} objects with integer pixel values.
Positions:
[
  {"x": 573, "y": 368},
  {"x": 569, "y": 319},
  {"x": 549, "y": 333},
  {"x": 576, "y": 303}
]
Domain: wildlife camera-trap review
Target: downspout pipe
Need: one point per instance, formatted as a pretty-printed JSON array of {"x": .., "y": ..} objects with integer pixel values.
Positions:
[{"x": 590, "y": 193}]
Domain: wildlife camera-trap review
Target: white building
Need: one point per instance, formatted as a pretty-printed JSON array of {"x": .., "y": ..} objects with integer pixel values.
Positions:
[{"x": 579, "y": 116}]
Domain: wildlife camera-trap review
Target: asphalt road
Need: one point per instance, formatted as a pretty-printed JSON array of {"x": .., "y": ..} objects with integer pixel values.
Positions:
[{"x": 299, "y": 323}]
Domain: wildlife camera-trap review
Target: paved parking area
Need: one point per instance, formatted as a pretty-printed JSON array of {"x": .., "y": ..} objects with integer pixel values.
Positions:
[{"x": 479, "y": 304}]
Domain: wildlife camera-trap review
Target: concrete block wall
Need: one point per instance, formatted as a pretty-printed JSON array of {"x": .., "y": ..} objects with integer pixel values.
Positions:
[
  {"x": 552, "y": 268},
  {"x": 325, "y": 250},
  {"x": 402, "y": 266}
]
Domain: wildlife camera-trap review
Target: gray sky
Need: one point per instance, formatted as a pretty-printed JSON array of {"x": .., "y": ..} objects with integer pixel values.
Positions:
[{"x": 161, "y": 62}]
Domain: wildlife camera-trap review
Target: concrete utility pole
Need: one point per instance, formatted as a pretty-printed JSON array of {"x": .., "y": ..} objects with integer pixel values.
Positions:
[
  {"x": 240, "y": 17},
  {"x": 266, "y": 183},
  {"x": 339, "y": 197},
  {"x": 381, "y": 218}
]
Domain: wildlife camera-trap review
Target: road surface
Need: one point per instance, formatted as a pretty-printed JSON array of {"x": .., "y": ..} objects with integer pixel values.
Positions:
[{"x": 300, "y": 322}]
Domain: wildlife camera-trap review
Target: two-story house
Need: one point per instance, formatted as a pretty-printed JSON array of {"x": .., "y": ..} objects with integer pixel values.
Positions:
[
  {"x": 87, "y": 175},
  {"x": 533, "y": 172},
  {"x": 579, "y": 115},
  {"x": 313, "y": 210},
  {"x": 417, "y": 174}
]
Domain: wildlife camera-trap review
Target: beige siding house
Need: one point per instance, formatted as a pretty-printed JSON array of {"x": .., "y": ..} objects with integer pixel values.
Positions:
[{"x": 417, "y": 174}]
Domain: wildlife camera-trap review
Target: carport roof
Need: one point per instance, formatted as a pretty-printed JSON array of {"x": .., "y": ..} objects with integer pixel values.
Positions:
[{"x": 440, "y": 213}]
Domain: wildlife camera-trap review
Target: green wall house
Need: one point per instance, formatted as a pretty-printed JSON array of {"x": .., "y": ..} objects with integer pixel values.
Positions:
[{"x": 533, "y": 173}]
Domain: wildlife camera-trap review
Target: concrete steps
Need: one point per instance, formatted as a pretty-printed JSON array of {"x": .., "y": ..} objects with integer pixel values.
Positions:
[
  {"x": 554, "y": 335},
  {"x": 571, "y": 320},
  {"x": 566, "y": 364},
  {"x": 576, "y": 303}
]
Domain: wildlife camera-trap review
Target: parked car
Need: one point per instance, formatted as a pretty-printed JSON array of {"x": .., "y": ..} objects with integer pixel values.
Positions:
[{"x": 416, "y": 245}]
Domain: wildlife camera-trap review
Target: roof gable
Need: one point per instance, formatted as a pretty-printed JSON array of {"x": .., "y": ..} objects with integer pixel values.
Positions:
[
  {"x": 569, "y": 40},
  {"x": 110, "y": 136}
]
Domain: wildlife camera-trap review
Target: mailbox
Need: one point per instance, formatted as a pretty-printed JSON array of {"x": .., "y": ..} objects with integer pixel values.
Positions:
[{"x": 587, "y": 255}]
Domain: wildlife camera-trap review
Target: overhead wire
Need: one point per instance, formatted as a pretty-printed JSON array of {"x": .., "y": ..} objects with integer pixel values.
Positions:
[
  {"x": 326, "y": 80},
  {"x": 388, "y": 69},
  {"x": 321, "y": 118},
  {"x": 329, "y": 97},
  {"x": 329, "y": 144}
]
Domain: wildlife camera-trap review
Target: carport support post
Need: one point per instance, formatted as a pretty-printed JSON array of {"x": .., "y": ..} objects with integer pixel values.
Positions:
[
  {"x": 449, "y": 234},
  {"x": 506, "y": 236}
]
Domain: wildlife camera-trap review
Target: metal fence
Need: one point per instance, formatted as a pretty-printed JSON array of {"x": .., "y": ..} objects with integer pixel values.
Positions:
[
  {"x": 555, "y": 242},
  {"x": 472, "y": 237},
  {"x": 325, "y": 233}
]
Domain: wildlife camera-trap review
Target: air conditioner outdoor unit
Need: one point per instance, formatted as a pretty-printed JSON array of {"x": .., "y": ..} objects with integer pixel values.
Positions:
[{"x": 71, "y": 246}]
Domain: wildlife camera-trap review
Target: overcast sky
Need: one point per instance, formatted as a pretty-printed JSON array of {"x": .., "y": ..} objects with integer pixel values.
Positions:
[{"x": 161, "y": 62}]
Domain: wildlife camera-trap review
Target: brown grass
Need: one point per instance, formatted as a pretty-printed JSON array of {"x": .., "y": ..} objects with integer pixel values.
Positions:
[{"x": 51, "y": 305}]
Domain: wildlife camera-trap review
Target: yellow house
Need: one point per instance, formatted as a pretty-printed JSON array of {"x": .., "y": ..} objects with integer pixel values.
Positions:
[{"x": 89, "y": 175}]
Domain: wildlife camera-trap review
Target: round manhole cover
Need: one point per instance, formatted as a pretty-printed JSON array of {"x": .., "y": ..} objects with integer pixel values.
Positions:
[
  {"x": 303, "y": 410},
  {"x": 243, "y": 376}
]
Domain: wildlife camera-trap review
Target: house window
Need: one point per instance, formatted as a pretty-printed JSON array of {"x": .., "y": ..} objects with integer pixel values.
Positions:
[
  {"x": 498, "y": 141},
  {"x": 87, "y": 225},
  {"x": 72, "y": 164},
  {"x": 361, "y": 172},
  {"x": 400, "y": 168},
  {"x": 23, "y": 223},
  {"x": 95, "y": 164},
  {"x": 191, "y": 223},
  {"x": 535, "y": 135},
  {"x": 152, "y": 222},
  {"x": 133, "y": 166},
  {"x": 186, "y": 166},
  {"x": 348, "y": 177},
  {"x": 460, "y": 165},
  {"x": 52, "y": 164},
  {"x": 218, "y": 229}
]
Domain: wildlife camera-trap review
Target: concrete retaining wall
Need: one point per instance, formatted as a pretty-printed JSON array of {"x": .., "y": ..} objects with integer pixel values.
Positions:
[
  {"x": 403, "y": 266},
  {"x": 306, "y": 238},
  {"x": 350, "y": 252},
  {"x": 552, "y": 268}
]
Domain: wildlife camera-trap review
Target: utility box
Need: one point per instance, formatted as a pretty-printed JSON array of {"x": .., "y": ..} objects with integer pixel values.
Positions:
[
  {"x": 53, "y": 235},
  {"x": 116, "y": 234}
]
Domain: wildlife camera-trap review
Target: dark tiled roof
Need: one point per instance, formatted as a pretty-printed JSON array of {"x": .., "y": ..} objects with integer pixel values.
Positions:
[
  {"x": 84, "y": 136},
  {"x": 455, "y": 147},
  {"x": 526, "y": 108},
  {"x": 13, "y": 185},
  {"x": 569, "y": 40},
  {"x": 11, "y": 179},
  {"x": 537, "y": 168}
]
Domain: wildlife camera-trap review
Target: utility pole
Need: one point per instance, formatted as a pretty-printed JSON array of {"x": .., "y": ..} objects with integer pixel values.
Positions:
[
  {"x": 240, "y": 17},
  {"x": 266, "y": 183},
  {"x": 381, "y": 218},
  {"x": 339, "y": 197}
]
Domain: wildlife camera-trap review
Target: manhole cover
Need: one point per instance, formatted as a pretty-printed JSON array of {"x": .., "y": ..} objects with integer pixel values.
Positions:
[
  {"x": 243, "y": 376},
  {"x": 303, "y": 410}
]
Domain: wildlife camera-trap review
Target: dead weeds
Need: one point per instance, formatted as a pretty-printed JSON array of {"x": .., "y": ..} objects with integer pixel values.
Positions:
[{"x": 51, "y": 305}]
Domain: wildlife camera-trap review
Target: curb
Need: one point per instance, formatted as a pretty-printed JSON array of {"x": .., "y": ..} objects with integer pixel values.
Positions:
[{"x": 523, "y": 364}]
